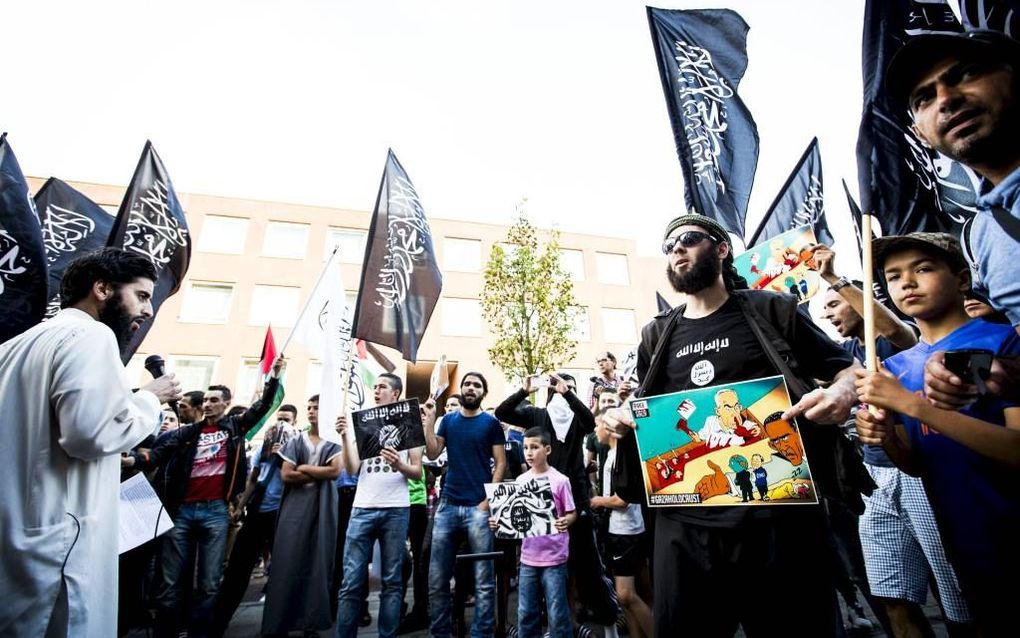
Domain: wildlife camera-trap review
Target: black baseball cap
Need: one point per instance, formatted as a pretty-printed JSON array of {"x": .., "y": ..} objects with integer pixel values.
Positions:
[{"x": 919, "y": 54}]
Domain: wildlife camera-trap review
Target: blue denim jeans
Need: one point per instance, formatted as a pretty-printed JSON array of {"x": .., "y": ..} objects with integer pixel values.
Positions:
[
  {"x": 553, "y": 581},
  {"x": 203, "y": 526},
  {"x": 389, "y": 526},
  {"x": 450, "y": 519}
]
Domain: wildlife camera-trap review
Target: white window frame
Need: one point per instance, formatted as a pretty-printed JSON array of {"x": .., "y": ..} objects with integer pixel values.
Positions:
[
  {"x": 454, "y": 249},
  {"x": 173, "y": 361},
  {"x": 287, "y": 322},
  {"x": 287, "y": 252},
  {"x": 575, "y": 275},
  {"x": 243, "y": 392},
  {"x": 187, "y": 303},
  {"x": 450, "y": 312},
  {"x": 609, "y": 273},
  {"x": 355, "y": 256},
  {"x": 208, "y": 244}
]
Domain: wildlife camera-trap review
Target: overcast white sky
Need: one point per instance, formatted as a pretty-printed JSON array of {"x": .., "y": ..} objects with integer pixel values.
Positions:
[{"x": 483, "y": 102}]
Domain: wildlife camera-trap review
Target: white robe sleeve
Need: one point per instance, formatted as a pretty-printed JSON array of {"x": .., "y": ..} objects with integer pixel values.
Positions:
[{"x": 97, "y": 414}]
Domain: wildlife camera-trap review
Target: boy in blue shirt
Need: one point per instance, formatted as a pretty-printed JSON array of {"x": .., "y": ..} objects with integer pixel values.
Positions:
[{"x": 967, "y": 459}]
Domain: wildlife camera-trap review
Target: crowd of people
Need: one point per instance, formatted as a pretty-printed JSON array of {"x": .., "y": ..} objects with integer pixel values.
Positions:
[{"x": 913, "y": 463}]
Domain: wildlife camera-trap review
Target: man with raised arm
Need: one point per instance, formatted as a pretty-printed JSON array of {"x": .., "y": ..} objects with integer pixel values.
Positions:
[{"x": 474, "y": 440}]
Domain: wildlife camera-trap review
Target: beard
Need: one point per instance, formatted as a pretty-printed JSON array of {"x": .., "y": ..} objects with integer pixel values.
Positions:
[
  {"x": 997, "y": 144},
  {"x": 471, "y": 403},
  {"x": 115, "y": 316},
  {"x": 701, "y": 274}
]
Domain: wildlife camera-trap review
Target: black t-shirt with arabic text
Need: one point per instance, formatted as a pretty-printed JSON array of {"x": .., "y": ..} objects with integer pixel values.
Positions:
[{"x": 720, "y": 349}]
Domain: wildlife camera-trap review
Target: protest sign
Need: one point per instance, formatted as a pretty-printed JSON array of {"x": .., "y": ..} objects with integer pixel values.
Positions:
[
  {"x": 722, "y": 445},
  {"x": 524, "y": 509},
  {"x": 395, "y": 425},
  {"x": 782, "y": 264}
]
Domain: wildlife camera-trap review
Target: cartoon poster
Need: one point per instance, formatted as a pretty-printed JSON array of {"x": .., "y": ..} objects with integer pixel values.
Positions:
[
  {"x": 523, "y": 509},
  {"x": 782, "y": 263},
  {"x": 396, "y": 425},
  {"x": 722, "y": 445}
]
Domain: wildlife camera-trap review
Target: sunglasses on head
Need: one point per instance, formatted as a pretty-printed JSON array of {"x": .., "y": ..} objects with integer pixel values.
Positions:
[{"x": 687, "y": 239}]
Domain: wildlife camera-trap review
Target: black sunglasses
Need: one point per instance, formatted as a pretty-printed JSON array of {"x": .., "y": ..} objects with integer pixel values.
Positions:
[{"x": 687, "y": 239}]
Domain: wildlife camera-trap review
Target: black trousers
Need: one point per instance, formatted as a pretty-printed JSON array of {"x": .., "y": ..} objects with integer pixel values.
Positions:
[
  {"x": 772, "y": 576},
  {"x": 418, "y": 566},
  {"x": 585, "y": 567},
  {"x": 346, "y": 495},
  {"x": 255, "y": 535}
]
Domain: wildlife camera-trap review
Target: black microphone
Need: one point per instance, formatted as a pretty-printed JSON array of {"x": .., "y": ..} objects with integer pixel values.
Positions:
[{"x": 155, "y": 365}]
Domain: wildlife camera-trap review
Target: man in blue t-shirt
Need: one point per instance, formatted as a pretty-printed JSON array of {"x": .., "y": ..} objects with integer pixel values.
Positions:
[
  {"x": 967, "y": 459},
  {"x": 471, "y": 437}
]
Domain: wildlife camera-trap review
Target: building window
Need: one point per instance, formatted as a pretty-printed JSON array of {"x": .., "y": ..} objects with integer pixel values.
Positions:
[
  {"x": 193, "y": 373},
  {"x": 462, "y": 318},
  {"x": 247, "y": 381},
  {"x": 581, "y": 330},
  {"x": 223, "y": 235},
  {"x": 207, "y": 302},
  {"x": 285, "y": 240},
  {"x": 573, "y": 262},
  {"x": 618, "y": 326},
  {"x": 462, "y": 255},
  {"x": 351, "y": 244},
  {"x": 276, "y": 305},
  {"x": 612, "y": 269}
]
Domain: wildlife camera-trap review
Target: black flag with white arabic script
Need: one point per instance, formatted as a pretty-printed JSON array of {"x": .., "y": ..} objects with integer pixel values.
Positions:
[
  {"x": 799, "y": 202},
  {"x": 22, "y": 257},
  {"x": 878, "y": 287},
  {"x": 999, "y": 15},
  {"x": 855, "y": 218},
  {"x": 401, "y": 281},
  {"x": 905, "y": 185},
  {"x": 151, "y": 222},
  {"x": 702, "y": 55},
  {"x": 72, "y": 225}
]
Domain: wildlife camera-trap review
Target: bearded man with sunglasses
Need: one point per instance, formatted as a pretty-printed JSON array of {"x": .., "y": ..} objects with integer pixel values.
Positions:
[{"x": 724, "y": 334}]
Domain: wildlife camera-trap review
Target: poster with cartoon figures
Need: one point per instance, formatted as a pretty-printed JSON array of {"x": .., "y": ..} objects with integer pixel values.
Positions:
[
  {"x": 523, "y": 509},
  {"x": 395, "y": 425},
  {"x": 782, "y": 264},
  {"x": 722, "y": 445}
]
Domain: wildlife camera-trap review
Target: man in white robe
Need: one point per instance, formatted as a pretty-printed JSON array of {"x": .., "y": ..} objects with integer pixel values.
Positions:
[{"x": 68, "y": 412}]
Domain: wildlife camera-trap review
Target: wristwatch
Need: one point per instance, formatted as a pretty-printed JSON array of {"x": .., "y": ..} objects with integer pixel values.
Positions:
[{"x": 840, "y": 284}]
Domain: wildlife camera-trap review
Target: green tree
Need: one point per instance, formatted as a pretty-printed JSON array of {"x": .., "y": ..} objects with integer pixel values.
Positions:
[{"x": 528, "y": 301}]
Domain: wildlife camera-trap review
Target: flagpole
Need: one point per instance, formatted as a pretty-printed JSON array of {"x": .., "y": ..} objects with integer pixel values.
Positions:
[
  {"x": 304, "y": 309},
  {"x": 869, "y": 294}
]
